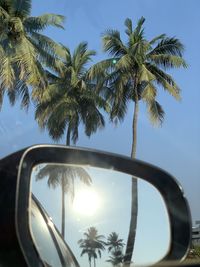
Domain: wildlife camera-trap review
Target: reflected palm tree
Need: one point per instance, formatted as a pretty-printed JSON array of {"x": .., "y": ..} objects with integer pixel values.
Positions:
[
  {"x": 92, "y": 245},
  {"x": 114, "y": 243},
  {"x": 115, "y": 247},
  {"x": 64, "y": 176},
  {"x": 116, "y": 258}
]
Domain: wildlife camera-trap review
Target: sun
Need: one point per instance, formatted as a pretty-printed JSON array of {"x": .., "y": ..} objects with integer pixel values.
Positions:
[{"x": 86, "y": 202}]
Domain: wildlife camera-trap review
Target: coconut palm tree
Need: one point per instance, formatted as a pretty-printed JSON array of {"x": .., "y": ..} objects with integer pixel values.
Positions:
[
  {"x": 64, "y": 176},
  {"x": 134, "y": 72},
  {"x": 114, "y": 243},
  {"x": 70, "y": 99},
  {"x": 92, "y": 245},
  {"x": 116, "y": 258},
  {"x": 25, "y": 51}
]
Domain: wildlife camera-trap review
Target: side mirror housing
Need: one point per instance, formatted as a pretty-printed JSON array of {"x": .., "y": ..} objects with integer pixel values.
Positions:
[{"x": 19, "y": 171}]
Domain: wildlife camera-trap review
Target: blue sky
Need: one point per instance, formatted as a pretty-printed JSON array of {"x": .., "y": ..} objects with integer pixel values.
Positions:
[{"x": 175, "y": 146}]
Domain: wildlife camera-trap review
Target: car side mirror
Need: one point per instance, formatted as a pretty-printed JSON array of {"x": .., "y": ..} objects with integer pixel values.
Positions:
[{"x": 88, "y": 197}]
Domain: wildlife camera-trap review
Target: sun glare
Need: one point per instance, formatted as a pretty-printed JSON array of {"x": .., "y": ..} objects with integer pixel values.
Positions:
[{"x": 86, "y": 202}]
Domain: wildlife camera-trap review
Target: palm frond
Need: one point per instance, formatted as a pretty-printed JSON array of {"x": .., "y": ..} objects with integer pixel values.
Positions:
[
  {"x": 129, "y": 26},
  {"x": 73, "y": 125},
  {"x": 124, "y": 64},
  {"x": 5, "y": 4},
  {"x": 165, "y": 80},
  {"x": 2, "y": 92},
  {"x": 37, "y": 24},
  {"x": 80, "y": 50},
  {"x": 24, "y": 58},
  {"x": 21, "y": 8},
  {"x": 12, "y": 95},
  {"x": 48, "y": 45},
  {"x": 81, "y": 58},
  {"x": 149, "y": 92},
  {"x": 30, "y": 69},
  {"x": 145, "y": 75},
  {"x": 168, "y": 61},
  {"x": 47, "y": 105},
  {"x": 169, "y": 46},
  {"x": 119, "y": 102},
  {"x": 83, "y": 175},
  {"x": 56, "y": 130},
  {"x": 138, "y": 30},
  {"x": 46, "y": 57},
  {"x": 3, "y": 14},
  {"x": 113, "y": 44},
  {"x": 157, "y": 38},
  {"x": 93, "y": 122},
  {"x": 156, "y": 112},
  {"x": 7, "y": 75},
  {"x": 25, "y": 96},
  {"x": 21, "y": 90},
  {"x": 101, "y": 69}
]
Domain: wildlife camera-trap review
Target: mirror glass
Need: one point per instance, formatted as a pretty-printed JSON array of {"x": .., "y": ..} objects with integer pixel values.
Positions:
[{"x": 91, "y": 210}]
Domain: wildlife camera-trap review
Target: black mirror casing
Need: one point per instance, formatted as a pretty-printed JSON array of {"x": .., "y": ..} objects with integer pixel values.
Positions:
[
  {"x": 178, "y": 210},
  {"x": 172, "y": 193},
  {"x": 10, "y": 252}
]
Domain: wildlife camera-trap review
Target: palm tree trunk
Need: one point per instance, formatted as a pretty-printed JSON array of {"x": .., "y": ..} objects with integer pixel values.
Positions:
[
  {"x": 94, "y": 262},
  {"x": 63, "y": 209},
  {"x": 134, "y": 191},
  {"x": 63, "y": 191},
  {"x": 68, "y": 137},
  {"x": 134, "y": 127}
]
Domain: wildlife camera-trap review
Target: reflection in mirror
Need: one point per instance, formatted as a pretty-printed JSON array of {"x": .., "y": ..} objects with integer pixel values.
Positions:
[{"x": 91, "y": 208}]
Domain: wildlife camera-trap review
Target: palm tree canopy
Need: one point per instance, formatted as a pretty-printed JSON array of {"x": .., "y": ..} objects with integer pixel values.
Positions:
[
  {"x": 24, "y": 51},
  {"x": 55, "y": 174},
  {"x": 116, "y": 257},
  {"x": 137, "y": 68},
  {"x": 114, "y": 242},
  {"x": 71, "y": 99},
  {"x": 92, "y": 244}
]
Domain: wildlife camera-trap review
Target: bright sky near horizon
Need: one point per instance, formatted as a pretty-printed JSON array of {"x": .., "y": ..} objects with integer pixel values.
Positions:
[{"x": 175, "y": 146}]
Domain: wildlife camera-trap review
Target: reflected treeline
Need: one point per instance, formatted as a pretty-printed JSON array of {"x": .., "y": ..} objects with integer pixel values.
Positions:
[
  {"x": 63, "y": 176},
  {"x": 94, "y": 244}
]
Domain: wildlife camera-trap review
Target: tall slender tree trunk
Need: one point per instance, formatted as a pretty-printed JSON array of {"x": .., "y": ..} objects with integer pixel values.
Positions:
[
  {"x": 63, "y": 191},
  {"x": 68, "y": 137},
  {"x": 90, "y": 264},
  {"x": 63, "y": 208},
  {"x": 134, "y": 191},
  {"x": 94, "y": 262}
]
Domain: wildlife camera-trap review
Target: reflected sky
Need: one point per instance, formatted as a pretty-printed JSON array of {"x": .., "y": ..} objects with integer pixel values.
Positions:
[{"x": 112, "y": 214}]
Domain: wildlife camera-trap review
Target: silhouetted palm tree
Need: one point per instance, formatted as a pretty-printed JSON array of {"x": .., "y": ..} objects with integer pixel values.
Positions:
[
  {"x": 92, "y": 245},
  {"x": 114, "y": 243},
  {"x": 116, "y": 258},
  {"x": 64, "y": 176}
]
